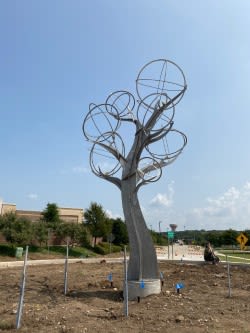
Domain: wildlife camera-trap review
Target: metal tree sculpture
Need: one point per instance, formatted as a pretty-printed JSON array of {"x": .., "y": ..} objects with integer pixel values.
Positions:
[{"x": 139, "y": 160}]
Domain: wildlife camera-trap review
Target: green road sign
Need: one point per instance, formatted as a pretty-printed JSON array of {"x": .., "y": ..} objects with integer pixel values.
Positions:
[{"x": 170, "y": 234}]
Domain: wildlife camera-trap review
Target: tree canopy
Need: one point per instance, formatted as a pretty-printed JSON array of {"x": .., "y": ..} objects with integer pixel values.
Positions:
[
  {"x": 119, "y": 230},
  {"x": 16, "y": 230},
  {"x": 51, "y": 215},
  {"x": 97, "y": 221}
]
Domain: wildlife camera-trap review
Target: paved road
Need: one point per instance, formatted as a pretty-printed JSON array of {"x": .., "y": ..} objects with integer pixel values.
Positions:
[
  {"x": 176, "y": 253},
  {"x": 7, "y": 264}
]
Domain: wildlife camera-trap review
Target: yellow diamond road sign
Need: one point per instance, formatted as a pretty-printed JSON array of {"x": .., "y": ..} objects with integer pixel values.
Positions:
[{"x": 242, "y": 239}]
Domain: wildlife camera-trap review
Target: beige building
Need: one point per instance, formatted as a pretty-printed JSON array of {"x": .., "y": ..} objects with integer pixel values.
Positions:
[{"x": 71, "y": 215}]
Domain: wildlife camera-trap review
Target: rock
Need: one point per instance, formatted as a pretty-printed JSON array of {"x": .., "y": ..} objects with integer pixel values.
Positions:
[
  {"x": 179, "y": 319},
  {"x": 113, "y": 315}
]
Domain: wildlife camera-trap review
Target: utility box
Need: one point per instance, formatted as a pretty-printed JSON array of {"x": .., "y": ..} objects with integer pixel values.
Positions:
[{"x": 19, "y": 252}]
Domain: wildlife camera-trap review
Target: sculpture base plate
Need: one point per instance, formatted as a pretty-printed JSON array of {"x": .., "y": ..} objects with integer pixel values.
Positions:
[{"x": 143, "y": 288}]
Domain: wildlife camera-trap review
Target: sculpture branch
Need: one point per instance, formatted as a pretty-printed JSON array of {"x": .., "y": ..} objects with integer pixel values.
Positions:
[
  {"x": 111, "y": 179},
  {"x": 158, "y": 111}
]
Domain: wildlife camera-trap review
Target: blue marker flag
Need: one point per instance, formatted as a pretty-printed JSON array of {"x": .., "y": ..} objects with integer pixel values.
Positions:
[
  {"x": 110, "y": 278},
  {"x": 179, "y": 285},
  {"x": 142, "y": 285},
  {"x": 161, "y": 275}
]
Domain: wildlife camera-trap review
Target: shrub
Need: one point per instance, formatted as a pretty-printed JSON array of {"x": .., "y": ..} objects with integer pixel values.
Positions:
[
  {"x": 104, "y": 248},
  {"x": 7, "y": 250}
]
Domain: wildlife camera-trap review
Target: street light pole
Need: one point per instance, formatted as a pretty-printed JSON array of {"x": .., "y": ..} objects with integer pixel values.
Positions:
[
  {"x": 168, "y": 242},
  {"x": 160, "y": 227},
  {"x": 160, "y": 241},
  {"x": 48, "y": 239}
]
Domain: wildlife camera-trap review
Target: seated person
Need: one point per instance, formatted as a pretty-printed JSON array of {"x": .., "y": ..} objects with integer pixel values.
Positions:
[{"x": 209, "y": 254}]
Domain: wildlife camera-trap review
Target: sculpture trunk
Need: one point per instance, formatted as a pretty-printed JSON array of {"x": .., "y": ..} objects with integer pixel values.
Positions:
[{"x": 142, "y": 260}]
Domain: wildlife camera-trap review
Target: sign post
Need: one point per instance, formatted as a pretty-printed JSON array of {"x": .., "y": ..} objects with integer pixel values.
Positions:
[
  {"x": 171, "y": 236},
  {"x": 110, "y": 239},
  {"x": 125, "y": 292},
  {"x": 20, "y": 305}
]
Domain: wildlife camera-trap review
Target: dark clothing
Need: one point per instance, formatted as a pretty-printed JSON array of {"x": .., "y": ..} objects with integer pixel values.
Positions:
[{"x": 210, "y": 256}]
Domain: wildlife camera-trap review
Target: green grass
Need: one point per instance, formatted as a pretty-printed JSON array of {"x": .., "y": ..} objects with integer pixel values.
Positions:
[
  {"x": 76, "y": 251},
  {"x": 6, "y": 325},
  {"x": 104, "y": 248},
  {"x": 235, "y": 256}
]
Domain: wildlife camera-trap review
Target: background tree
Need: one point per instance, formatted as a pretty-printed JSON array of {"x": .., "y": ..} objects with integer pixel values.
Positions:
[
  {"x": 84, "y": 237},
  {"x": 72, "y": 232},
  {"x": 97, "y": 221},
  {"x": 119, "y": 230},
  {"x": 228, "y": 237},
  {"x": 16, "y": 230},
  {"x": 50, "y": 215},
  {"x": 247, "y": 233},
  {"x": 40, "y": 232}
]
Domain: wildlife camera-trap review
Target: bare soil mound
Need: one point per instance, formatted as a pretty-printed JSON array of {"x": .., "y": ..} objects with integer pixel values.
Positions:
[{"x": 92, "y": 305}]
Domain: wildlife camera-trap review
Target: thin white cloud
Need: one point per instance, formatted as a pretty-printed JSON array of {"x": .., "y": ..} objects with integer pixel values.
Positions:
[
  {"x": 232, "y": 208},
  {"x": 32, "y": 196},
  {"x": 164, "y": 199},
  {"x": 80, "y": 169},
  {"x": 161, "y": 200},
  {"x": 246, "y": 188},
  {"x": 228, "y": 210},
  {"x": 111, "y": 215},
  {"x": 160, "y": 209},
  {"x": 223, "y": 205}
]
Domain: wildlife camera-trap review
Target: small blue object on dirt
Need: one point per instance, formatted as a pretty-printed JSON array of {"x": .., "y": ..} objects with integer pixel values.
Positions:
[
  {"x": 142, "y": 285},
  {"x": 179, "y": 286}
]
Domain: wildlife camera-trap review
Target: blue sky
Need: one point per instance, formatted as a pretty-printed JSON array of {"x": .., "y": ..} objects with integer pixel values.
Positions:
[{"x": 58, "y": 56}]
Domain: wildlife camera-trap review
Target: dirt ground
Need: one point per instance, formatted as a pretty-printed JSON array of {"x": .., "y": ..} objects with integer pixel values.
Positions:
[{"x": 93, "y": 306}]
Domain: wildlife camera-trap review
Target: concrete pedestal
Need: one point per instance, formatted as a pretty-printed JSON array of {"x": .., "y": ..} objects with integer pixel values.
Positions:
[{"x": 143, "y": 288}]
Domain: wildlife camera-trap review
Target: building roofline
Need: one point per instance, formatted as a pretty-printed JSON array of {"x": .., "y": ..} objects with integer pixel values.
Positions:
[
  {"x": 70, "y": 208},
  {"x": 9, "y": 204}
]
